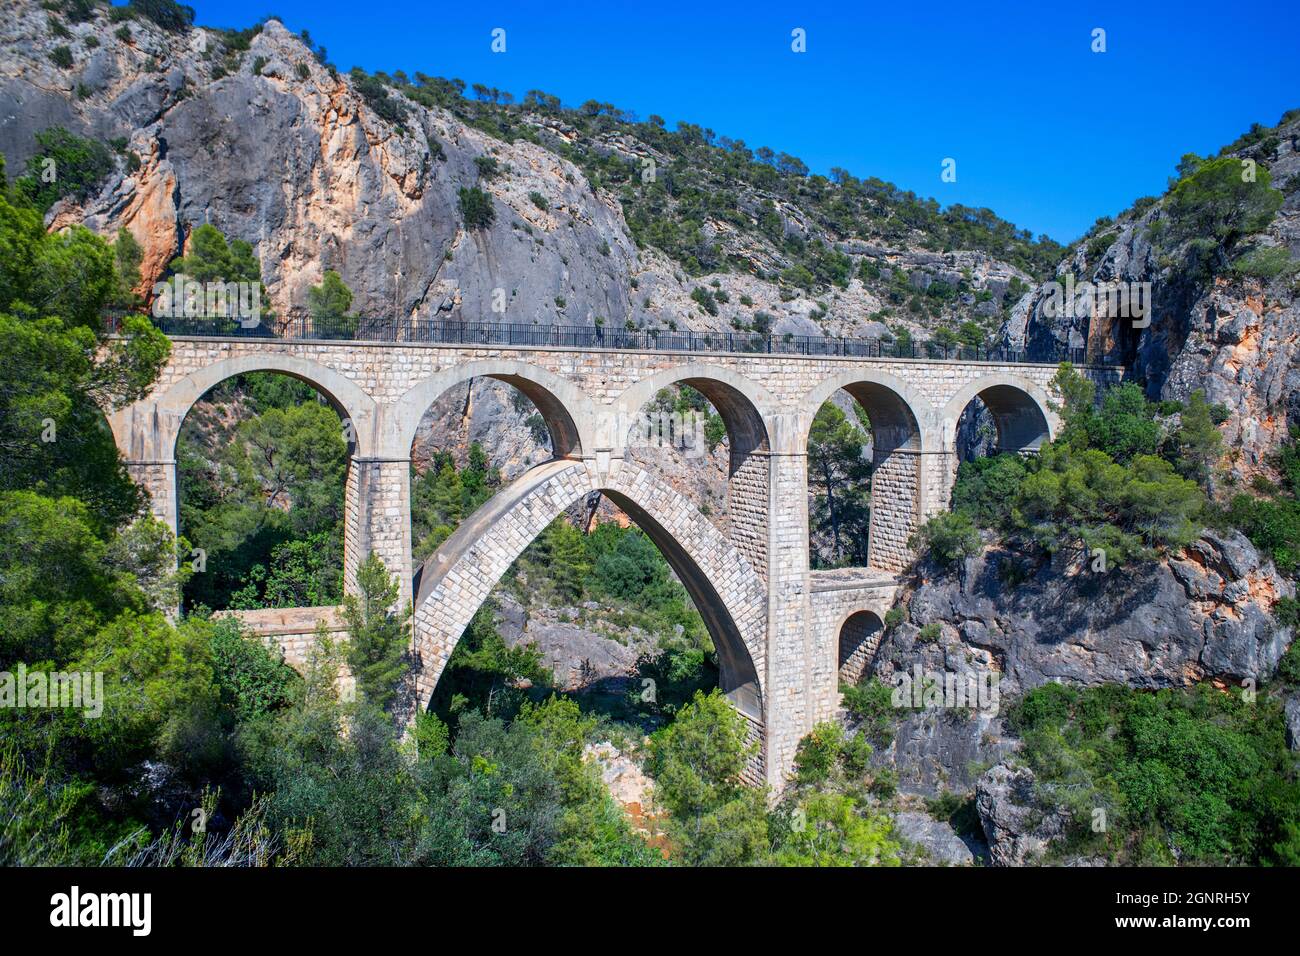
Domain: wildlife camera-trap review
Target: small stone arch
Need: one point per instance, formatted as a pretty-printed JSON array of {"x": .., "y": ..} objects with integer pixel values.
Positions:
[
  {"x": 148, "y": 430},
  {"x": 1021, "y": 412},
  {"x": 460, "y": 575},
  {"x": 859, "y": 637},
  {"x": 569, "y": 414},
  {"x": 901, "y": 431},
  {"x": 900, "y": 416},
  {"x": 741, "y": 403}
]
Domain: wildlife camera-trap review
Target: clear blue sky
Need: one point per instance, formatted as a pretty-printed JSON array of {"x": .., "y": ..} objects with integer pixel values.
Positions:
[{"x": 1045, "y": 132}]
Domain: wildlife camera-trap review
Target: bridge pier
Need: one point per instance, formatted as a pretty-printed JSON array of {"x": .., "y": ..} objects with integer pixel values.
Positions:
[
  {"x": 158, "y": 478},
  {"x": 800, "y": 683},
  {"x": 377, "y": 518}
]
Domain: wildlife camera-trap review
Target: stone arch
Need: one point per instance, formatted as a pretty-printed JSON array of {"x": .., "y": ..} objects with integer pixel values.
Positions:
[
  {"x": 148, "y": 430},
  {"x": 899, "y": 415},
  {"x": 741, "y": 404},
  {"x": 569, "y": 414},
  {"x": 901, "y": 432},
  {"x": 859, "y": 636},
  {"x": 460, "y": 575},
  {"x": 1020, "y": 409}
]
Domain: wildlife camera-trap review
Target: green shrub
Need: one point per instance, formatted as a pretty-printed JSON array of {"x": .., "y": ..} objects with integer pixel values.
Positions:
[
  {"x": 251, "y": 680},
  {"x": 986, "y": 488},
  {"x": 871, "y": 703},
  {"x": 78, "y": 165},
  {"x": 1199, "y": 771},
  {"x": 168, "y": 14},
  {"x": 1265, "y": 263},
  {"x": 476, "y": 208},
  {"x": 78, "y": 11},
  {"x": 61, "y": 56},
  {"x": 947, "y": 537},
  {"x": 705, "y": 298}
]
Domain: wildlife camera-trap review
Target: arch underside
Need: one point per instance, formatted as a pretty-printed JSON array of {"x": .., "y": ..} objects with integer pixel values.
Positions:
[
  {"x": 745, "y": 429},
  {"x": 895, "y": 473},
  {"x": 460, "y": 575},
  {"x": 149, "y": 429},
  {"x": 565, "y": 440},
  {"x": 748, "y": 475},
  {"x": 859, "y": 638},
  {"x": 1021, "y": 424},
  {"x": 568, "y": 413}
]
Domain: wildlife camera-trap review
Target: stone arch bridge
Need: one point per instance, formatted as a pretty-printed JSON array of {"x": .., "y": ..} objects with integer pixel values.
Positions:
[{"x": 785, "y": 634}]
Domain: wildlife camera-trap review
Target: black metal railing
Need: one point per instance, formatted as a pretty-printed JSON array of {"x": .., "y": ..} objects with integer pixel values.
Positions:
[{"x": 438, "y": 331}]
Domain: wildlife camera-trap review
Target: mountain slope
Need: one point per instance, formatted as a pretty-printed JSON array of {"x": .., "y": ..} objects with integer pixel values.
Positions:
[{"x": 250, "y": 132}]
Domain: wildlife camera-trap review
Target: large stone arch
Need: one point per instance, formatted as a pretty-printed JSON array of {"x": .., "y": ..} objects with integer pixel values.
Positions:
[
  {"x": 901, "y": 432},
  {"x": 1021, "y": 411},
  {"x": 460, "y": 575},
  {"x": 569, "y": 414}
]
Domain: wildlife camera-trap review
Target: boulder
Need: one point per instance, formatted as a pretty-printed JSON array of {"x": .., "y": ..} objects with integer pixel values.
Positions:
[{"x": 1016, "y": 826}]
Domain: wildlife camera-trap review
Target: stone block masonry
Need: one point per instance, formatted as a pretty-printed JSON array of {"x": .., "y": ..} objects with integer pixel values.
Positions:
[{"x": 777, "y": 625}]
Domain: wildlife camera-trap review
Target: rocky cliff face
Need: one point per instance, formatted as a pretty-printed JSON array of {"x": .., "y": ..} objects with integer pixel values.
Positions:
[
  {"x": 1206, "y": 614},
  {"x": 274, "y": 148}
]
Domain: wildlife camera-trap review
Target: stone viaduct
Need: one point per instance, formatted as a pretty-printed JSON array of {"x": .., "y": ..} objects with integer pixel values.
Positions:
[{"x": 785, "y": 634}]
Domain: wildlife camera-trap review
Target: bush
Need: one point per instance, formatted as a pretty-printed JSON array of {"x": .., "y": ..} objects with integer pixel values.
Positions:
[
  {"x": 476, "y": 208},
  {"x": 78, "y": 11},
  {"x": 986, "y": 488},
  {"x": 705, "y": 299},
  {"x": 1263, "y": 263},
  {"x": 78, "y": 165},
  {"x": 1198, "y": 771},
  {"x": 251, "y": 680},
  {"x": 871, "y": 703},
  {"x": 378, "y": 98},
  {"x": 61, "y": 56},
  {"x": 947, "y": 537},
  {"x": 168, "y": 14}
]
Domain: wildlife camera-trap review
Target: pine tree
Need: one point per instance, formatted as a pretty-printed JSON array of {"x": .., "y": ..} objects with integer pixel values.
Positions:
[{"x": 378, "y": 636}]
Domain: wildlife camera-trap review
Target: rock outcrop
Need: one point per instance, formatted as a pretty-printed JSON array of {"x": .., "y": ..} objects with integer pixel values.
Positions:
[
  {"x": 1017, "y": 826},
  {"x": 1204, "y": 614}
]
